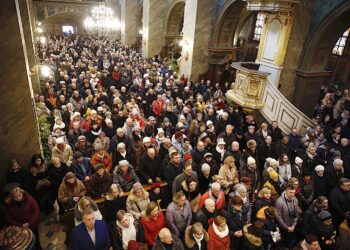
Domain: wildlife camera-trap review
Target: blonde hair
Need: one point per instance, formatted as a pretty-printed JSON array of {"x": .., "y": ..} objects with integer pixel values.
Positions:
[
  {"x": 16, "y": 191},
  {"x": 263, "y": 191},
  {"x": 113, "y": 188},
  {"x": 229, "y": 160},
  {"x": 197, "y": 228},
  {"x": 150, "y": 207}
]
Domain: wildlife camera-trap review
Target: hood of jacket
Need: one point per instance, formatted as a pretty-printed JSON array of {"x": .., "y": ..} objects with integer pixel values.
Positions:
[
  {"x": 190, "y": 241},
  {"x": 254, "y": 240}
]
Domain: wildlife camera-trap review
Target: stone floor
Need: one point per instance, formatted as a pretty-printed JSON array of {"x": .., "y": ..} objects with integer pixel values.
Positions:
[{"x": 51, "y": 232}]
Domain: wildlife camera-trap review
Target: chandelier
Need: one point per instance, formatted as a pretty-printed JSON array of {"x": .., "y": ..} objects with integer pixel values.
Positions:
[{"x": 101, "y": 19}]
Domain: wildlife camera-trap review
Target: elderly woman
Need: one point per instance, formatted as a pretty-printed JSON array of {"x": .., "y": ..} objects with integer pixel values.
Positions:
[
  {"x": 83, "y": 204},
  {"x": 229, "y": 174},
  {"x": 178, "y": 214},
  {"x": 103, "y": 140},
  {"x": 137, "y": 200},
  {"x": 125, "y": 176},
  {"x": 22, "y": 210},
  {"x": 121, "y": 154},
  {"x": 114, "y": 202},
  {"x": 153, "y": 221},
  {"x": 70, "y": 190},
  {"x": 101, "y": 156},
  {"x": 196, "y": 237}
]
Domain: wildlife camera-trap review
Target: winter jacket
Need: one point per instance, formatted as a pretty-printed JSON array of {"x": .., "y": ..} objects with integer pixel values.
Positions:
[
  {"x": 235, "y": 222},
  {"x": 65, "y": 156},
  {"x": 170, "y": 173},
  {"x": 177, "y": 184},
  {"x": 229, "y": 175},
  {"x": 106, "y": 160},
  {"x": 151, "y": 227},
  {"x": 178, "y": 219},
  {"x": 203, "y": 216},
  {"x": 215, "y": 242},
  {"x": 150, "y": 168},
  {"x": 77, "y": 169},
  {"x": 219, "y": 201},
  {"x": 320, "y": 186},
  {"x": 251, "y": 241},
  {"x": 190, "y": 242},
  {"x": 176, "y": 245},
  {"x": 284, "y": 207},
  {"x": 117, "y": 233},
  {"x": 97, "y": 185},
  {"x": 112, "y": 206},
  {"x": 65, "y": 195},
  {"x": 339, "y": 202},
  {"x": 253, "y": 175},
  {"x": 135, "y": 205},
  {"x": 19, "y": 213},
  {"x": 125, "y": 181}
]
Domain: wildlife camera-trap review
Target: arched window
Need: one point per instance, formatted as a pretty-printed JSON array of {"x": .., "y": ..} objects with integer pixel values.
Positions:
[
  {"x": 340, "y": 45},
  {"x": 258, "y": 26}
]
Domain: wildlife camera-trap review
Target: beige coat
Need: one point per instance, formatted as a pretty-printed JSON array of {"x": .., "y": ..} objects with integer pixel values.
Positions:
[
  {"x": 65, "y": 195},
  {"x": 65, "y": 156},
  {"x": 135, "y": 205},
  {"x": 230, "y": 177}
]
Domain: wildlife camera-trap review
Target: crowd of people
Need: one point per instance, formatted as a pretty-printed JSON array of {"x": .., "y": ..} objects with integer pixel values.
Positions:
[{"x": 143, "y": 157}]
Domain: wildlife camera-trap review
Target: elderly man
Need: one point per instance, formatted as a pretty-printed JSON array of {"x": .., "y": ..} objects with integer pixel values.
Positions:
[
  {"x": 99, "y": 182},
  {"x": 121, "y": 137},
  {"x": 150, "y": 167},
  {"x": 208, "y": 211},
  {"x": 62, "y": 151},
  {"x": 334, "y": 173},
  {"x": 216, "y": 194},
  {"x": 91, "y": 234},
  {"x": 339, "y": 201},
  {"x": 235, "y": 152},
  {"x": 165, "y": 240}
]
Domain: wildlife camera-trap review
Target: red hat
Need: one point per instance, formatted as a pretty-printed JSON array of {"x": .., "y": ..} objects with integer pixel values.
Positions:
[
  {"x": 187, "y": 156},
  {"x": 133, "y": 245},
  {"x": 178, "y": 135},
  {"x": 153, "y": 141},
  {"x": 155, "y": 185}
]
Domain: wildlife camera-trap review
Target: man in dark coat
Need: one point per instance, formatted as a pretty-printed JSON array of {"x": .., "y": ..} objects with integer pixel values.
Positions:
[
  {"x": 173, "y": 169},
  {"x": 150, "y": 168},
  {"x": 207, "y": 212},
  {"x": 91, "y": 234},
  {"x": 235, "y": 152},
  {"x": 339, "y": 200},
  {"x": 334, "y": 173},
  {"x": 165, "y": 240},
  {"x": 227, "y": 135},
  {"x": 121, "y": 137},
  {"x": 198, "y": 153}
]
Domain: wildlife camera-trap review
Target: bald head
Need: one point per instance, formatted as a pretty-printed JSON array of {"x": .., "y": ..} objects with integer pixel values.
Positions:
[
  {"x": 209, "y": 205},
  {"x": 165, "y": 236}
]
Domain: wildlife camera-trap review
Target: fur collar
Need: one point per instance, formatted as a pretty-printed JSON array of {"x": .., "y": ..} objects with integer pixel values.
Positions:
[
  {"x": 254, "y": 240},
  {"x": 133, "y": 198},
  {"x": 190, "y": 241}
]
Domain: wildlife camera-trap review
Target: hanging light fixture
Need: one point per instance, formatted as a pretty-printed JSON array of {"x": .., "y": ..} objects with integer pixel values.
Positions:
[{"x": 102, "y": 19}]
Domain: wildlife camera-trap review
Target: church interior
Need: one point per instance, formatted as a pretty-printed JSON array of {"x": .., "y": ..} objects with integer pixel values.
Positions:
[{"x": 92, "y": 87}]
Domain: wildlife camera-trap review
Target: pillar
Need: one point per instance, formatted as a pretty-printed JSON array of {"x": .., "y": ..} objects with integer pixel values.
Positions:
[
  {"x": 273, "y": 44},
  {"x": 198, "y": 25},
  {"x": 307, "y": 89},
  {"x": 129, "y": 16},
  {"x": 153, "y": 26},
  {"x": 18, "y": 131}
]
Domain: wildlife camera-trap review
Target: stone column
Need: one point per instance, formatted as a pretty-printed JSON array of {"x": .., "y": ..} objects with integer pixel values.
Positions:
[
  {"x": 153, "y": 26},
  {"x": 18, "y": 131},
  {"x": 129, "y": 16},
  {"x": 307, "y": 89},
  {"x": 198, "y": 25},
  {"x": 273, "y": 44}
]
